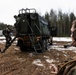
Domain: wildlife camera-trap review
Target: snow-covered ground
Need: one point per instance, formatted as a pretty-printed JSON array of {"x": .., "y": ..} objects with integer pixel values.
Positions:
[
  {"x": 61, "y": 47},
  {"x": 65, "y": 39}
]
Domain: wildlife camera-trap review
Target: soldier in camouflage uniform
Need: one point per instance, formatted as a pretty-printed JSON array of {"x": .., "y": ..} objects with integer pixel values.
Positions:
[
  {"x": 69, "y": 68},
  {"x": 73, "y": 33},
  {"x": 6, "y": 33}
]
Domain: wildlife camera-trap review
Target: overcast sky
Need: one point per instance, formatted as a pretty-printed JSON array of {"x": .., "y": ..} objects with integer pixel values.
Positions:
[{"x": 9, "y": 8}]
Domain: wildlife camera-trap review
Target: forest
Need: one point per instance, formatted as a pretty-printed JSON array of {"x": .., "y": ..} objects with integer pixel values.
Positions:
[
  {"x": 62, "y": 21},
  {"x": 3, "y": 25}
]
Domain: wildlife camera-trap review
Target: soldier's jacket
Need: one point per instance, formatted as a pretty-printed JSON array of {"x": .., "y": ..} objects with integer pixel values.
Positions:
[
  {"x": 74, "y": 33},
  {"x": 72, "y": 71},
  {"x": 68, "y": 69},
  {"x": 6, "y": 32},
  {"x": 74, "y": 36}
]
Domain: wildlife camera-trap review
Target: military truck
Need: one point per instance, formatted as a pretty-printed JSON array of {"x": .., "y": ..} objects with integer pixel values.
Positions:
[{"x": 32, "y": 31}]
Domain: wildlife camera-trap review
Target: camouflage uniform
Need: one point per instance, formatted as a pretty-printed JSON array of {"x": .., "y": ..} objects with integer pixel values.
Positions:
[
  {"x": 69, "y": 68},
  {"x": 74, "y": 36},
  {"x": 6, "y": 33}
]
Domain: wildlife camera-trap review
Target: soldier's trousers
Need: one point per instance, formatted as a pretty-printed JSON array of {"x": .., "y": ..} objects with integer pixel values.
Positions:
[{"x": 8, "y": 40}]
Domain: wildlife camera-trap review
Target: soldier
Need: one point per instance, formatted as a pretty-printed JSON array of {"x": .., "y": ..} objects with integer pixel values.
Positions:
[
  {"x": 68, "y": 68},
  {"x": 73, "y": 33},
  {"x": 6, "y": 33}
]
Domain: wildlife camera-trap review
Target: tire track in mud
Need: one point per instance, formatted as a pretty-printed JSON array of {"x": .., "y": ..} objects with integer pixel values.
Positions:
[
  {"x": 8, "y": 66},
  {"x": 25, "y": 68},
  {"x": 15, "y": 66},
  {"x": 19, "y": 64}
]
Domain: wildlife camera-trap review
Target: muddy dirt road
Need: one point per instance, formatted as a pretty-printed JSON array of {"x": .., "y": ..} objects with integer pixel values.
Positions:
[{"x": 15, "y": 62}]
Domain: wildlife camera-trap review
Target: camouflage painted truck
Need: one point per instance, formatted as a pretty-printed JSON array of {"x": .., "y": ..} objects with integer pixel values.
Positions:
[{"x": 32, "y": 31}]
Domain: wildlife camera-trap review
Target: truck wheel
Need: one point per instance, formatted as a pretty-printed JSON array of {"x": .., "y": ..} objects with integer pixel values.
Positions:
[
  {"x": 22, "y": 48},
  {"x": 21, "y": 45},
  {"x": 44, "y": 45}
]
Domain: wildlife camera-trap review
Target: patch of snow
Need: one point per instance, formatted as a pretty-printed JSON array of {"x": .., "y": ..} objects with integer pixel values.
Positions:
[
  {"x": 65, "y": 55},
  {"x": 16, "y": 48},
  {"x": 67, "y": 39},
  {"x": 2, "y": 41},
  {"x": 30, "y": 54},
  {"x": 2, "y": 37},
  {"x": 50, "y": 61},
  {"x": 37, "y": 62},
  {"x": 60, "y": 47},
  {"x": 20, "y": 59},
  {"x": 45, "y": 56}
]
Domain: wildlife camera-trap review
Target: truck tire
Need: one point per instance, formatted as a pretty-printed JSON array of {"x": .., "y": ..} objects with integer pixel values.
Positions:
[
  {"x": 22, "y": 48},
  {"x": 21, "y": 45}
]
